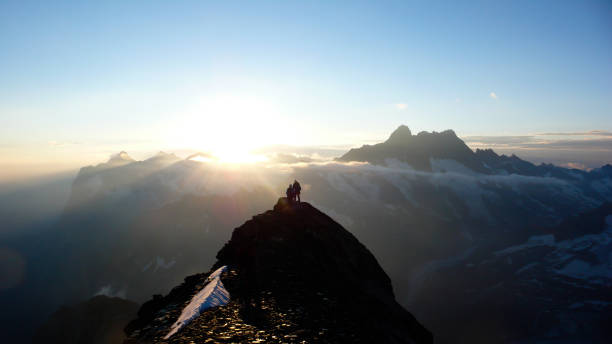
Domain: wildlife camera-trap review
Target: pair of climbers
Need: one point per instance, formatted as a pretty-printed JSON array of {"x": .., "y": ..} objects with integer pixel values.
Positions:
[{"x": 293, "y": 191}]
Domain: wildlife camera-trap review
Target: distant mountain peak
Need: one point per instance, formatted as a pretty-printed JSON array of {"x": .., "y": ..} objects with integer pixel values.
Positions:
[
  {"x": 163, "y": 156},
  {"x": 433, "y": 151},
  {"x": 401, "y": 135},
  {"x": 449, "y": 132},
  {"x": 417, "y": 150},
  {"x": 121, "y": 157}
]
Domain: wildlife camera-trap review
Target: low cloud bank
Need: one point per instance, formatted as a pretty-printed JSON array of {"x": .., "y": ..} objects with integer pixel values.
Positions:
[{"x": 583, "y": 150}]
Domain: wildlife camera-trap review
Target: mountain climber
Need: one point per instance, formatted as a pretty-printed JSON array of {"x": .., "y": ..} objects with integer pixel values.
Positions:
[
  {"x": 296, "y": 190},
  {"x": 290, "y": 193}
]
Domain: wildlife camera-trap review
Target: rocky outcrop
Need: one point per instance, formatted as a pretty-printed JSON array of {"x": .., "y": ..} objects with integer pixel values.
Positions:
[{"x": 294, "y": 275}]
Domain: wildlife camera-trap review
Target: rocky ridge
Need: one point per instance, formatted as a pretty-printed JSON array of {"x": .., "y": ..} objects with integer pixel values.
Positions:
[{"x": 294, "y": 276}]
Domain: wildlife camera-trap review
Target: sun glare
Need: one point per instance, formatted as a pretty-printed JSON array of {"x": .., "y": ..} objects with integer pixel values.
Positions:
[
  {"x": 237, "y": 157},
  {"x": 230, "y": 157},
  {"x": 230, "y": 127}
]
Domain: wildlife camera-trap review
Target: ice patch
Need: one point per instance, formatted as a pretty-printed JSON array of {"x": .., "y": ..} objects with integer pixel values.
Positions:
[{"x": 214, "y": 294}]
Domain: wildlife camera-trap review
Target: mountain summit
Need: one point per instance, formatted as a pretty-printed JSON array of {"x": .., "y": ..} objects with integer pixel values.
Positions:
[
  {"x": 401, "y": 135},
  {"x": 292, "y": 274},
  {"x": 444, "y": 151},
  {"x": 417, "y": 150},
  {"x": 120, "y": 158}
]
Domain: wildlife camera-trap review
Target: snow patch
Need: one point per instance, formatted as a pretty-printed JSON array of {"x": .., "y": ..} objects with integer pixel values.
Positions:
[{"x": 212, "y": 295}]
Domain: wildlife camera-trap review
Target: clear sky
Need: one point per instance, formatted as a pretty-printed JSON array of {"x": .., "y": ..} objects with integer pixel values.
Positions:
[{"x": 80, "y": 79}]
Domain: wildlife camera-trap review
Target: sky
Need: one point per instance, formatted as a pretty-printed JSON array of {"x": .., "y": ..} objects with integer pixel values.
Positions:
[{"x": 81, "y": 79}]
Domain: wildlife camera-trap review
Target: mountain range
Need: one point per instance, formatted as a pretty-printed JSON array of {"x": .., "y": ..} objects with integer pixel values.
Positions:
[
  {"x": 431, "y": 211},
  {"x": 441, "y": 151}
]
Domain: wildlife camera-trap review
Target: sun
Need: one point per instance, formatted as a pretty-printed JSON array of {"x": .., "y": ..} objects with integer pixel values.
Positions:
[
  {"x": 238, "y": 156},
  {"x": 230, "y": 127}
]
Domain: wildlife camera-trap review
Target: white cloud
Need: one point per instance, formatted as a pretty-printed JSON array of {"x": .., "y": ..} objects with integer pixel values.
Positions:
[
  {"x": 493, "y": 95},
  {"x": 401, "y": 106}
]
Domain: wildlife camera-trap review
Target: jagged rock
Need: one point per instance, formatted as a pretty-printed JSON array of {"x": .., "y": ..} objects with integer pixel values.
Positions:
[{"x": 295, "y": 275}]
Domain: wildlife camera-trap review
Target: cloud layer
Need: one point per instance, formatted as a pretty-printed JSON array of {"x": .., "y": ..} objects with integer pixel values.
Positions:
[{"x": 589, "y": 149}]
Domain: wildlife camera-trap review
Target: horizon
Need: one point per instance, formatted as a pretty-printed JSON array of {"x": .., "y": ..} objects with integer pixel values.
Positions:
[{"x": 564, "y": 150}]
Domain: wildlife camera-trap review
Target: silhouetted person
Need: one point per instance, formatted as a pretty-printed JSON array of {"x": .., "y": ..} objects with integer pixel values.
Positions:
[
  {"x": 290, "y": 193},
  {"x": 296, "y": 190}
]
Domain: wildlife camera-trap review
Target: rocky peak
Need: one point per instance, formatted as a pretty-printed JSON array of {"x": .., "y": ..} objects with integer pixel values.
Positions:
[
  {"x": 293, "y": 275},
  {"x": 417, "y": 150},
  {"x": 120, "y": 158},
  {"x": 162, "y": 156},
  {"x": 316, "y": 246},
  {"x": 400, "y": 136}
]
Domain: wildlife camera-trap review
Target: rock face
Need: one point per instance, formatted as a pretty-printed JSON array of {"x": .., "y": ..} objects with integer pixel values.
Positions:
[
  {"x": 98, "y": 320},
  {"x": 294, "y": 275}
]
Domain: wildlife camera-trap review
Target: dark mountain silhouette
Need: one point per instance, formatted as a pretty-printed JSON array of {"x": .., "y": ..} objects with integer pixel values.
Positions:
[
  {"x": 294, "y": 275},
  {"x": 99, "y": 320},
  {"x": 420, "y": 151},
  {"x": 417, "y": 150}
]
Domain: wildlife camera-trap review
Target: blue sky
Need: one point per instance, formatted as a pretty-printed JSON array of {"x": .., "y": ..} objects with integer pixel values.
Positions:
[{"x": 150, "y": 75}]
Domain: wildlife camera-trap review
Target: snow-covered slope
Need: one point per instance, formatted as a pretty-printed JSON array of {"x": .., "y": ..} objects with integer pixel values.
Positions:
[
  {"x": 543, "y": 289},
  {"x": 213, "y": 294}
]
